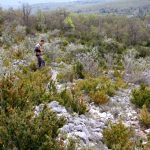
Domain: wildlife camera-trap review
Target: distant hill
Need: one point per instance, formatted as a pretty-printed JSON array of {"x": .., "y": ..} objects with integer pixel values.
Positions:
[
  {"x": 125, "y": 7},
  {"x": 128, "y": 3},
  {"x": 122, "y": 7},
  {"x": 74, "y": 5}
]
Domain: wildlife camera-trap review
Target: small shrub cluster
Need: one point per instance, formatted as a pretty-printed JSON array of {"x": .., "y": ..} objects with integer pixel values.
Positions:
[
  {"x": 118, "y": 137},
  {"x": 147, "y": 145},
  {"x": 65, "y": 76},
  {"x": 73, "y": 101},
  {"x": 13, "y": 33},
  {"x": 78, "y": 70},
  {"x": 89, "y": 62},
  {"x": 26, "y": 87},
  {"x": 143, "y": 52},
  {"x": 21, "y": 130},
  {"x": 19, "y": 54},
  {"x": 98, "y": 88},
  {"x": 87, "y": 85},
  {"x": 112, "y": 46},
  {"x": 71, "y": 144},
  {"x": 99, "y": 97},
  {"x": 19, "y": 127},
  {"x": 134, "y": 67},
  {"x": 118, "y": 74},
  {"x": 33, "y": 66},
  {"x": 141, "y": 96},
  {"x": 145, "y": 117},
  {"x": 120, "y": 83}
]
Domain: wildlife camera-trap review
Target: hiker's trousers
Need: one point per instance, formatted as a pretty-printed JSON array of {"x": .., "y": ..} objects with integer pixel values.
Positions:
[{"x": 41, "y": 62}]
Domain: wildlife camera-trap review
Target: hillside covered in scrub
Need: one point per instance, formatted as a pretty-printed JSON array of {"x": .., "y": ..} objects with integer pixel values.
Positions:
[
  {"x": 120, "y": 7},
  {"x": 93, "y": 93}
]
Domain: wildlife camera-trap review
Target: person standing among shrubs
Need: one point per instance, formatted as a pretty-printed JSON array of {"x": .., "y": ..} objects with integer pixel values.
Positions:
[{"x": 39, "y": 53}]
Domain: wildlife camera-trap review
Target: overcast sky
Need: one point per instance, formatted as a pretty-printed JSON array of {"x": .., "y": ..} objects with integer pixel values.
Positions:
[
  {"x": 29, "y": 1},
  {"x": 9, "y": 3}
]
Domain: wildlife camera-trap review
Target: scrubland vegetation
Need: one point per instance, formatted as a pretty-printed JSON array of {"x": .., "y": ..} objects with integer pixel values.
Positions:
[{"x": 98, "y": 55}]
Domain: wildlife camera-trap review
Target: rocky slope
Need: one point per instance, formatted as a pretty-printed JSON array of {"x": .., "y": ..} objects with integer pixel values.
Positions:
[{"x": 87, "y": 129}]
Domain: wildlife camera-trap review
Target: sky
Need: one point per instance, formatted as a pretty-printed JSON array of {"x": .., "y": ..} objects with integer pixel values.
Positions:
[
  {"x": 12, "y": 3},
  {"x": 17, "y": 3}
]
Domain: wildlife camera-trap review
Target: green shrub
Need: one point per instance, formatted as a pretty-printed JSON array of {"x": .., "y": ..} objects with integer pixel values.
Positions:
[
  {"x": 7, "y": 62},
  {"x": 102, "y": 86},
  {"x": 78, "y": 105},
  {"x": 141, "y": 96},
  {"x": 33, "y": 66},
  {"x": 65, "y": 76},
  {"x": 143, "y": 52},
  {"x": 65, "y": 43},
  {"x": 19, "y": 127},
  {"x": 99, "y": 97},
  {"x": 18, "y": 54},
  {"x": 23, "y": 89},
  {"x": 147, "y": 146},
  {"x": 120, "y": 83},
  {"x": 78, "y": 70},
  {"x": 71, "y": 145},
  {"x": 117, "y": 136},
  {"x": 110, "y": 90},
  {"x": 72, "y": 101},
  {"x": 107, "y": 85},
  {"x": 114, "y": 47},
  {"x": 145, "y": 116},
  {"x": 21, "y": 130},
  {"x": 87, "y": 85},
  {"x": 98, "y": 88},
  {"x": 118, "y": 73},
  {"x": 66, "y": 97}
]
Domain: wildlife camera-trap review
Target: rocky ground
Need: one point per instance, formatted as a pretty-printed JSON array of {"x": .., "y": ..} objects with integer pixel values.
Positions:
[{"x": 87, "y": 129}]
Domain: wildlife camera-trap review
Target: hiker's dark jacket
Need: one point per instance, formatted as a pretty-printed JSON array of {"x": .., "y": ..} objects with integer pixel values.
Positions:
[{"x": 38, "y": 50}]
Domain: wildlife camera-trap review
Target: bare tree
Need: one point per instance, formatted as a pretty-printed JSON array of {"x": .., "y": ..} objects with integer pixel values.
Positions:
[
  {"x": 26, "y": 12},
  {"x": 134, "y": 31}
]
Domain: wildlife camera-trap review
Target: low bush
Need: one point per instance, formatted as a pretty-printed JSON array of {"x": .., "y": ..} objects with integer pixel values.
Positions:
[
  {"x": 147, "y": 146},
  {"x": 79, "y": 105},
  {"x": 33, "y": 66},
  {"x": 65, "y": 76},
  {"x": 19, "y": 127},
  {"x": 118, "y": 73},
  {"x": 65, "y": 43},
  {"x": 120, "y": 83},
  {"x": 78, "y": 70},
  {"x": 21, "y": 130},
  {"x": 104, "y": 84},
  {"x": 141, "y": 96},
  {"x": 87, "y": 85},
  {"x": 72, "y": 101},
  {"x": 143, "y": 51},
  {"x": 90, "y": 63},
  {"x": 99, "y": 88},
  {"x": 145, "y": 116},
  {"x": 18, "y": 54},
  {"x": 22, "y": 89},
  {"x": 113, "y": 46},
  {"x": 71, "y": 144},
  {"x": 117, "y": 136},
  {"x": 99, "y": 97},
  {"x": 6, "y": 62}
]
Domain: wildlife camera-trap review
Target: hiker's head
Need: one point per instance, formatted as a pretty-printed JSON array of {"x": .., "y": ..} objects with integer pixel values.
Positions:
[{"x": 41, "y": 42}]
